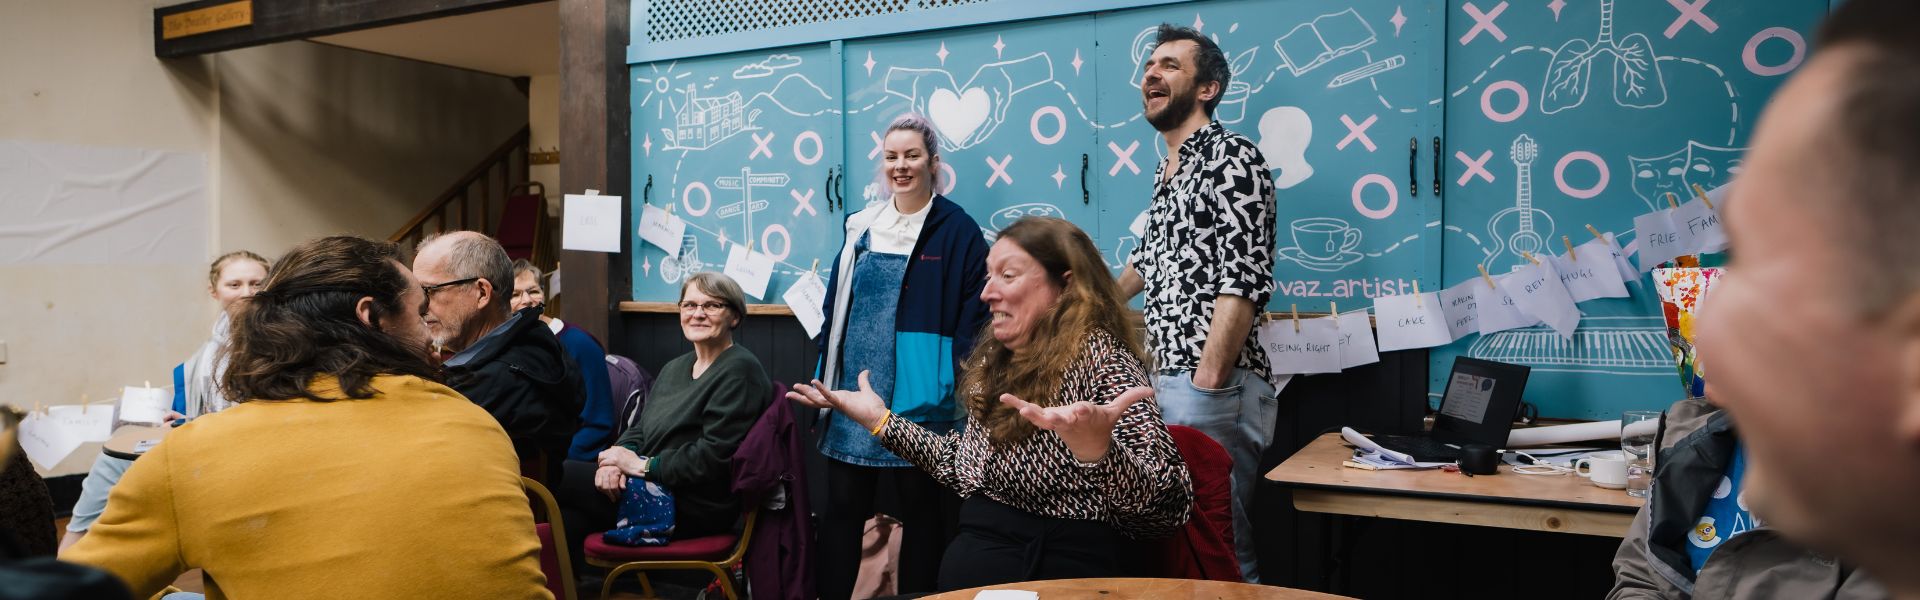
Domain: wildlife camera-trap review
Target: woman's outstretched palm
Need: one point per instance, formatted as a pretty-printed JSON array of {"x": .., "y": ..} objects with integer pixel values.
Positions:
[
  {"x": 1087, "y": 428},
  {"x": 863, "y": 406}
]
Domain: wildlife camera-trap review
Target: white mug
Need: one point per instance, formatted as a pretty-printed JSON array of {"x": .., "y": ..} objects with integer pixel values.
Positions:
[{"x": 1606, "y": 469}]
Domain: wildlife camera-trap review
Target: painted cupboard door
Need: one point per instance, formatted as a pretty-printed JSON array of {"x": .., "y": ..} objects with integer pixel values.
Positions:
[
  {"x": 1342, "y": 99},
  {"x": 1575, "y": 113},
  {"x": 742, "y": 147},
  {"x": 1011, "y": 103}
]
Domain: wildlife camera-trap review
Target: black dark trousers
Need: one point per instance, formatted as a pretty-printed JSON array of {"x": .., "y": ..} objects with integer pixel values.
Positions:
[
  {"x": 927, "y": 511},
  {"x": 1002, "y": 544}
]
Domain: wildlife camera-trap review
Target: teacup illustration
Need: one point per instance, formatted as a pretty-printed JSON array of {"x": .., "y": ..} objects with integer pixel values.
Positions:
[{"x": 1324, "y": 238}]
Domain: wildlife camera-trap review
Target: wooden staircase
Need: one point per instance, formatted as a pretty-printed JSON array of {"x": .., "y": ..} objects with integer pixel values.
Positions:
[{"x": 476, "y": 200}]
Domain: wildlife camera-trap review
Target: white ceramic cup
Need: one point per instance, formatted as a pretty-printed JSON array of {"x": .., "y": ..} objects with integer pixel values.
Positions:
[{"x": 1606, "y": 469}]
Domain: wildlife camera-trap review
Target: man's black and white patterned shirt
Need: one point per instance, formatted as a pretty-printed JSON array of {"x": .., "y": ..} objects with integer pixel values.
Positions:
[{"x": 1209, "y": 233}]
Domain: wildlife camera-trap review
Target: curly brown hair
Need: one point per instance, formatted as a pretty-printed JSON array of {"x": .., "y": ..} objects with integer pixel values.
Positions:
[
  {"x": 304, "y": 324},
  {"x": 1089, "y": 300}
]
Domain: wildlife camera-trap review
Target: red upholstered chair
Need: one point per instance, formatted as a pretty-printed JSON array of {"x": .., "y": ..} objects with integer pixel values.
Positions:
[
  {"x": 1203, "y": 549},
  {"x": 554, "y": 562},
  {"x": 523, "y": 221},
  {"x": 718, "y": 554}
]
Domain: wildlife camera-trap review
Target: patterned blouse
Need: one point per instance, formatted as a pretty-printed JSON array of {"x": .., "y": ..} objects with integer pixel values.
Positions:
[
  {"x": 1209, "y": 234},
  {"x": 1140, "y": 487}
]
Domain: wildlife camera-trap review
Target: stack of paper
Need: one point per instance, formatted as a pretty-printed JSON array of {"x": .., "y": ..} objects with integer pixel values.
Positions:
[{"x": 1377, "y": 457}]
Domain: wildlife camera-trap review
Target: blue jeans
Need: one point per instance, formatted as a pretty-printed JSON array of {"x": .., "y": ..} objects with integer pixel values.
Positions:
[{"x": 1241, "y": 418}]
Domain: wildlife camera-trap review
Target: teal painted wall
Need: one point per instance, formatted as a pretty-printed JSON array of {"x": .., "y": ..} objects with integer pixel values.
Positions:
[{"x": 1345, "y": 98}]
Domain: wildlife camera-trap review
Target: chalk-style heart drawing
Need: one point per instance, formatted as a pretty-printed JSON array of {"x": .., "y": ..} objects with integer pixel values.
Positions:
[{"x": 958, "y": 116}]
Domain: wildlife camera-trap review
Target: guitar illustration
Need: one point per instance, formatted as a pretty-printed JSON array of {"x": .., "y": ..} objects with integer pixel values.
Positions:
[{"x": 1522, "y": 229}]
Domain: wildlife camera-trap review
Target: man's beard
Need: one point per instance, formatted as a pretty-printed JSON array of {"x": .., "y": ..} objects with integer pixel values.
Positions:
[{"x": 1178, "y": 106}]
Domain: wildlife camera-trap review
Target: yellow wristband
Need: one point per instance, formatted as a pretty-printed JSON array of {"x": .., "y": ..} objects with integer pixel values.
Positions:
[{"x": 882, "y": 424}]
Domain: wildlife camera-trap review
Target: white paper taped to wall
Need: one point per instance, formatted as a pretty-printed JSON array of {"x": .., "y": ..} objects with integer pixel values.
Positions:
[{"x": 70, "y": 205}]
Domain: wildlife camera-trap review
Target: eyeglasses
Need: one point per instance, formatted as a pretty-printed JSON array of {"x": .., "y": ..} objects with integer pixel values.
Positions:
[
  {"x": 430, "y": 289},
  {"x": 705, "y": 307}
]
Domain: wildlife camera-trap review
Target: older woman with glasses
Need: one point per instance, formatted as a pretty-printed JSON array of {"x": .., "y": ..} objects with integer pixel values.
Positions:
[
  {"x": 699, "y": 410},
  {"x": 1063, "y": 452}
]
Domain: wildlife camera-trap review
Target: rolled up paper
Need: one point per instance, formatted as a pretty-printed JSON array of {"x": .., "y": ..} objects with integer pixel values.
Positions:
[{"x": 1577, "y": 432}]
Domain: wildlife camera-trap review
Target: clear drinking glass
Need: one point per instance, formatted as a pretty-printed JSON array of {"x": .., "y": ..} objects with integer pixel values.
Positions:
[{"x": 1637, "y": 429}]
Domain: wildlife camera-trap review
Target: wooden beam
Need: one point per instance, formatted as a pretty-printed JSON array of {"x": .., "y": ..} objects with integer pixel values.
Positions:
[
  {"x": 592, "y": 96},
  {"x": 284, "y": 20}
]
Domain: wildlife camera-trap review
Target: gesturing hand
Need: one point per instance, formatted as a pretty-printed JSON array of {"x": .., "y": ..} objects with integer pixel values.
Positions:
[
  {"x": 863, "y": 406},
  {"x": 1087, "y": 428}
]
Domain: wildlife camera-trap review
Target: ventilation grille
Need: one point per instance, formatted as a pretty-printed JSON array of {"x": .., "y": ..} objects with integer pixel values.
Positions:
[{"x": 675, "y": 20}]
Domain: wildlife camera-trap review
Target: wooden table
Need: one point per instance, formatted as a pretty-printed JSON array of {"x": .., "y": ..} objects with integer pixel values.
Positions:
[
  {"x": 1564, "y": 504},
  {"x": 125, "y": 443},
  {"x": 1143, "y": 589}
]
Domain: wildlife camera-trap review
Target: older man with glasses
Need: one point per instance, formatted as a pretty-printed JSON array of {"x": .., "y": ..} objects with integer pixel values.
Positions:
[{"x": 507, "y": 362}]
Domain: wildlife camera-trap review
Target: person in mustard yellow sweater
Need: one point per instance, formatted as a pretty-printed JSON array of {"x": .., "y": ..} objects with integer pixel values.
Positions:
[{"x": 346, "y": 470}]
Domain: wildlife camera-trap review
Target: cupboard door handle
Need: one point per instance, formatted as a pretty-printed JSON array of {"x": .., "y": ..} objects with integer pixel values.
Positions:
[
  {"x": 1085, "y": 198},
  {"x": 1413, "y": 166},
  {"x": 826, "y": 190},
  {"x": 840, "y": 195},
  {"x": 1436, "y": 166}
]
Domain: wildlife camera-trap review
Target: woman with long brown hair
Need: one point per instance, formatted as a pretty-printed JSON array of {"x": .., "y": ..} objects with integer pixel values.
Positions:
[
  {"x": 1063, "y": 449},
  {"x": 343, "y": 470}
]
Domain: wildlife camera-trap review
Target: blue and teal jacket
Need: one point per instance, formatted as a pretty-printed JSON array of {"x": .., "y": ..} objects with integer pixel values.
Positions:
[{"x": 940, "y": 310}]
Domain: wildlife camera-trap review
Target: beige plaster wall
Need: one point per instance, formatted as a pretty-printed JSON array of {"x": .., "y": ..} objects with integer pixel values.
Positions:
[{"x": 300, "y": 140}]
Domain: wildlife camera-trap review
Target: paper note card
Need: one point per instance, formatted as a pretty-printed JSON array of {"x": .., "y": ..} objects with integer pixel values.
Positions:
[
  {"x": 1457, "y": 304},
  {"x": 592, "y": 223},
  {"x": 1702, "y": 225},
  {"x": 145, "y": 404},
  {"x": 808, "y": 297},
  {"x": 1496, "y": 311},
  {"x": 1356, "y": 340},
  {"x": 661, "y": 228},
  {"x": 1538, "y": 293},
  {"x": 1627, "y": 272},
  {"x": 1315, "y": 348},
  {"x": 1411, "y": 321},
  {"x": 752, "y": 270},
  {"x": 1660, "y": 241},
  {"x": 88, "y": 423},
  {"x": 1590, "y": 273},
  {"x": 45, "y": 442}
]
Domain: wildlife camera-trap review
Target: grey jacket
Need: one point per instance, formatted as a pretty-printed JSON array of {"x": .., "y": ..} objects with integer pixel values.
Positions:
[{"x": 1696, "y": 443}]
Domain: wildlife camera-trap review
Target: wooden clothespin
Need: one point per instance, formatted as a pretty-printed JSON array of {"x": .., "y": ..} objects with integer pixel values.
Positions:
[
  {"x": 1702, "y": 193},
  {"x": 1671, "y": 203},
  {"x": 83, "y": 404},
  {"x": 1596, "y": 233},
  {"x": 1530, "y": 257},
  {"x": 1417, "y": 300},
  {"x": 1296, "y": 318},
  {"x": 1335, "y": 307},
  {"x": 1569, "y": 242},
  {"x": 1489, "y": 278},
  {"x": 815, "y": 269},
  {"x": 749, "y": 246},
  {"x": 36, "y": 406}
]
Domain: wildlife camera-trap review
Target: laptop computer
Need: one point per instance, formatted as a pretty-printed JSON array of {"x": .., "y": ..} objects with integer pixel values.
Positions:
[{"x": 1478, "y": 407}]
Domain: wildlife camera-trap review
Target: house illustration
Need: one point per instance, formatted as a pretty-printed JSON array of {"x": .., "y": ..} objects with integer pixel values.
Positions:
[{"x": 703, "y": 122}]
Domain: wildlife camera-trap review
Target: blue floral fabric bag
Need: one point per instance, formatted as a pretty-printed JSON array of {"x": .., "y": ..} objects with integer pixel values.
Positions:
[{"x": 646, "y": 515}]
